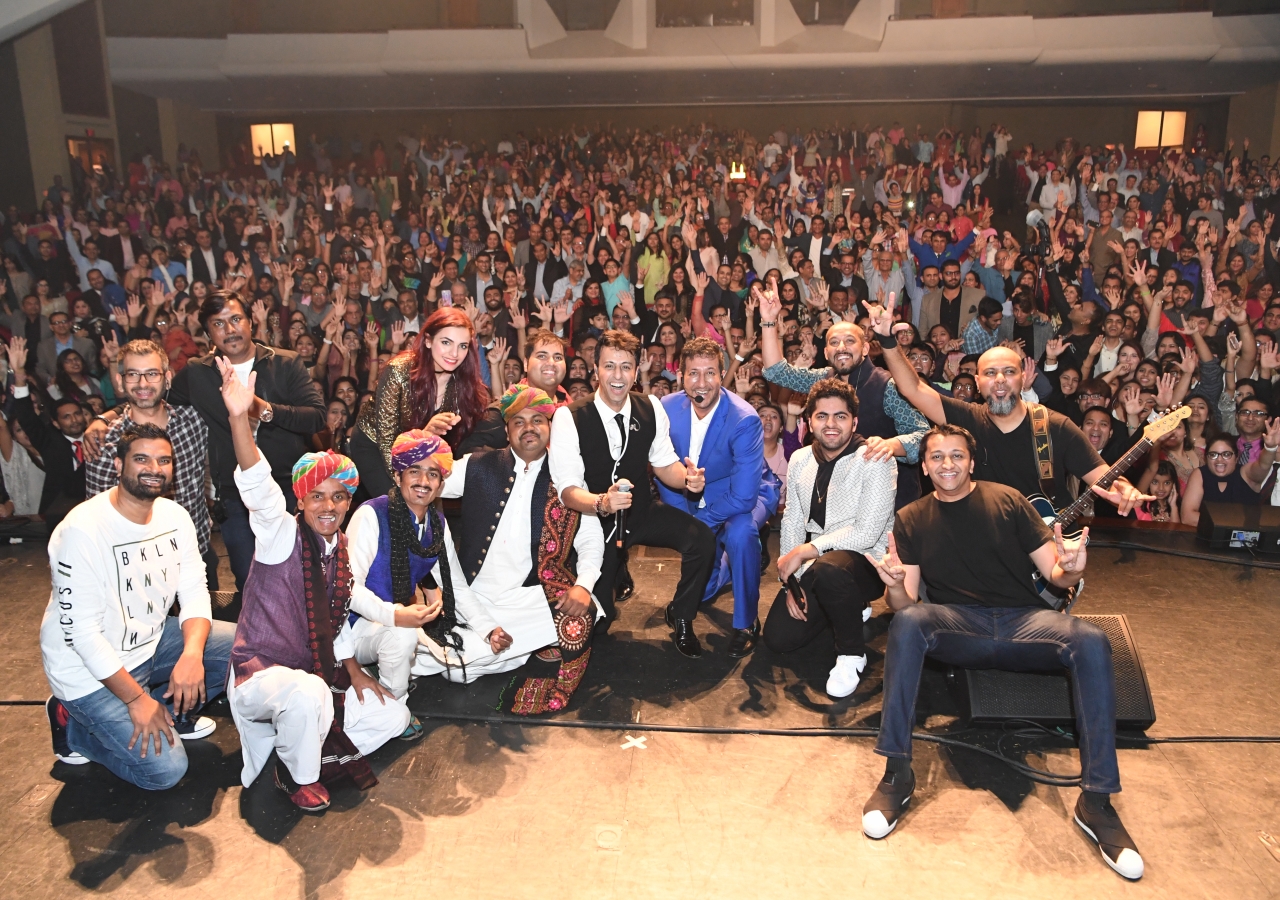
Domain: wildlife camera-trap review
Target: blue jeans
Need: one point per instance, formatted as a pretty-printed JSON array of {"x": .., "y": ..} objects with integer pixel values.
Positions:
[
  {"x": 738, "y": 554},
  {"x": 1018, "y": 640},
  {"x": 100, "y": 727}
]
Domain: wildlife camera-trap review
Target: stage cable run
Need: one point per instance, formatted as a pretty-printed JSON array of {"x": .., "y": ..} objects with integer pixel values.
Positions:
[{"x": 1042, "y": 776}]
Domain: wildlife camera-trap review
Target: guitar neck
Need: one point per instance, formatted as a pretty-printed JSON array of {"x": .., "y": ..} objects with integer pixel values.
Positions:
[{"x": 1070, "y": 513}]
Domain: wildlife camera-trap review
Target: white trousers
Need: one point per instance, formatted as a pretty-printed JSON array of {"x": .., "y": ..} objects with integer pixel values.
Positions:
[
  {"x": 390, "y": 648},
  {"x": 290, "y": 711}
]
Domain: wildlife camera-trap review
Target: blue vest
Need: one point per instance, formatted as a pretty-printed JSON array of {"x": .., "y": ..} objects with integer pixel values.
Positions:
[{"x": 379, "y": 578}]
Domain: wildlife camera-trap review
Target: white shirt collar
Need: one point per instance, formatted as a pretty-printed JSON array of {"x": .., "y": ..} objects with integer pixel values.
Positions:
[
  {"x": 518, "y": 464},
  {"x": 607, "y": 413},
  {"x": 705, "y": 420}
]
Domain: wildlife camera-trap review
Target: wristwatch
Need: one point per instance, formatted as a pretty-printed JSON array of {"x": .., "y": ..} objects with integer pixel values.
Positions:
[{"x": 267, "y": 413}]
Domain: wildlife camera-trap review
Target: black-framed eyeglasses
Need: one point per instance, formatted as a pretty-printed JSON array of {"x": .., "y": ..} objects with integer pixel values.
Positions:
[
  {"x": 1220, "y": 454},
  {"x": 151, "y": 376}
]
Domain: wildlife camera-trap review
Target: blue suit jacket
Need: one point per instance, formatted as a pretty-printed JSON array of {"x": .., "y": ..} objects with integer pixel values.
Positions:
[{"x": 732, "y": 455}]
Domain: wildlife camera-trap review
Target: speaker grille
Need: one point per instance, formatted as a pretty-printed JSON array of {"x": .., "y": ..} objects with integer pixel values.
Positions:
[{"x": 996, "y": 695}]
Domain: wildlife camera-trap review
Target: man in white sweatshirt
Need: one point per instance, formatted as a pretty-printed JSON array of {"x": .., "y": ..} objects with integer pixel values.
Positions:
[{"x": 122, "y": 670}]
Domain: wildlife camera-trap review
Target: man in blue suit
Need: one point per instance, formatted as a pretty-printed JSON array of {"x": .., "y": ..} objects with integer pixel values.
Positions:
[{"x": 720, "y": 433}]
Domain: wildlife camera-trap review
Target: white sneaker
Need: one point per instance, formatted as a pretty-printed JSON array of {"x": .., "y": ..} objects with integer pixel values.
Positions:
[
  {"x": 843, "y": 680},
  {"x": 866, "y": 615},
  {"x": 202, "y": 727}
]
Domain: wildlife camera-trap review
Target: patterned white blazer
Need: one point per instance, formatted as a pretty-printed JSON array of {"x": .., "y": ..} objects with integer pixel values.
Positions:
[{"x": 859, "y": 508}]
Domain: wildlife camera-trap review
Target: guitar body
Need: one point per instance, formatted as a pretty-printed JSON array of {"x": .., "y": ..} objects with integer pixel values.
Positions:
[
  {"x": 1060, "y": 599},
  {"x": 1063, "y": 599}
]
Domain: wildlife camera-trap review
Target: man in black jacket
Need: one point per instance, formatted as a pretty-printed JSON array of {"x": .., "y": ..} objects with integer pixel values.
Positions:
[
  {"x": 60, "y": 446},
  {"x": 289, "y": 410},
  {"x": 550, "y": 268}
]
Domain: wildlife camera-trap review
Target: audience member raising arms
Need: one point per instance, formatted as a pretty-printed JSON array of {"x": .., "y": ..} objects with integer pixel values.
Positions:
[
  {"x": 1224, "y": 480},
  {"x": 434, "y": 386}
]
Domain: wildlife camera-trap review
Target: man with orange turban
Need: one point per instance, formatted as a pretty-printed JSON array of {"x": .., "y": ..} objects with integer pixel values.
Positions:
[
  {"x": 295, "y": 687},
  {"x": 529, "y": 561},
  {"x": 402, "y": 558}
]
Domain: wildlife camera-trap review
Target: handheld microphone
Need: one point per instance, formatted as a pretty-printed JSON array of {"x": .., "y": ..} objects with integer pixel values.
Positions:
[{"x": 624, "y": 487}]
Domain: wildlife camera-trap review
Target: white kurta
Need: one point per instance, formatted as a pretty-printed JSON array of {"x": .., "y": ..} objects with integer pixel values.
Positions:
[{"x": 523, "y": 612}]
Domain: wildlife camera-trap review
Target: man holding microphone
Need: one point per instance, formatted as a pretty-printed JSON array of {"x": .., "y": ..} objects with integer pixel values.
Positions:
[{"x": 600, "y": 454}]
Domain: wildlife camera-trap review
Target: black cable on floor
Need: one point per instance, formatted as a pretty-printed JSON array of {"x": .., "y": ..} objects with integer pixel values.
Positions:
[{"x": 1254, "y": 560}]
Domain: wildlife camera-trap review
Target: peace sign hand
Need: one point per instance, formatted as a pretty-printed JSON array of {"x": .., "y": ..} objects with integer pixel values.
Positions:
[{"x": 1071, "y": 554}]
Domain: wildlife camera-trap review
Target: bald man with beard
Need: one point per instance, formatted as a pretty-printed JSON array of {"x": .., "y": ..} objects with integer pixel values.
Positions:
[{"x": 1002, "y": 425}]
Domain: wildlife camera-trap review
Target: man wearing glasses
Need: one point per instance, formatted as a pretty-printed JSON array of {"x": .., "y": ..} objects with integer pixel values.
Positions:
[
  {"x": 147, "y": 378},
  {"x": 288, "y": 410}
]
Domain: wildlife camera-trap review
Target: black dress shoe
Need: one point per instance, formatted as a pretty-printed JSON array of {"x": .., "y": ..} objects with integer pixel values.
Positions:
[
  {"x": 624, "y": 585},
  {"x": 744, "y": 640},
  {"x": 685, "y": 640}
]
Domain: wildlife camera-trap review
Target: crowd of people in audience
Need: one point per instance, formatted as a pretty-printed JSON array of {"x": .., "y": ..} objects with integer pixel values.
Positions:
[{"x": 774, "y": 321}]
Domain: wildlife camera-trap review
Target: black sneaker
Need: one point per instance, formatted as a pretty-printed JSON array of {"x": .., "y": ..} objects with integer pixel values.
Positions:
[
  {"x": 1107, "y": 831},
  {"x": 58, "y": 718},
  {"x": 193, "y": 728},
  {"x": 881, "y": 813}
]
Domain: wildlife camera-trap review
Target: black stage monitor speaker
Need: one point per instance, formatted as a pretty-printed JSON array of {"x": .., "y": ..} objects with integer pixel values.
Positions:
[
  {"x": 991, "y": 695},
  {"x": 1228, "y": 525}
]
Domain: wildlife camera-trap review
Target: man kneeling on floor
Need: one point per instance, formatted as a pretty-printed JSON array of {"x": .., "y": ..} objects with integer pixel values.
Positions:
[
  {"x": 112, "y": 653},
  {"x": 976, "y": 546},
  {"x": 296, "y": 688},
  {"x": 530, "y": 561}
]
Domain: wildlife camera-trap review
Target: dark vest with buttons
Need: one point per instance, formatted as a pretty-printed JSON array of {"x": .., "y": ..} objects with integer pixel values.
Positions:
[
  {"x": 490, "y": 477},
  {"x": 869, "y": 382},
  {"x": 593, "y": 442}
]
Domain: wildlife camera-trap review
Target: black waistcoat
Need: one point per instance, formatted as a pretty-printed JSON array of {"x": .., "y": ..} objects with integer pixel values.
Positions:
[
  {"x": 593, "y": 442},
  {"x": 490, "y": 476}
]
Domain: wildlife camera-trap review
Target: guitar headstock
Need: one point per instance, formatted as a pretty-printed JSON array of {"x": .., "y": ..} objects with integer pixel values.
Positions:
[{"x": 1166, "y": 423}]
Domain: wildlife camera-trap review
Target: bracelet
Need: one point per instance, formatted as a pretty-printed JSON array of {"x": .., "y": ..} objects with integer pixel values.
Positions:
[
  {"x": 739, "y": 358},
  {"x": 887, "y": 341},
  {"x": 764, "y": 324},
  {"x": 140, "y": 695},
  {"x": 1271, "y": 449},
  {"x": 599, "y": 506}
]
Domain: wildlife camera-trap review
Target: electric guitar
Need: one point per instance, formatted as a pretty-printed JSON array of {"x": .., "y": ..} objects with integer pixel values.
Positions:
[{"x": 1062, "y": 599}]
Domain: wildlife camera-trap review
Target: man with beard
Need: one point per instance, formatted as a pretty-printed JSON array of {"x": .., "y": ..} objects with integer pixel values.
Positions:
[
  {"x": 976, "y": 545},
  {"x": 296, "y": 688},
  {"x": 147, "y": 377},
  {"x": 530, "y": 564},
  {"x": 288, "y": 411},
  {"x": 721, "y": 433},
  {"x": 601, "y": 451},
  {"x": 61, "y": 447},
  {"x": 121, "y": 668},
  {"x": 839, "y": 507},
  {"x": 1003, "y": 426},
  {"x": 951, "y": 304},
  {"x": 545, "y": 367},
  {"x": 891, "y": 428}
]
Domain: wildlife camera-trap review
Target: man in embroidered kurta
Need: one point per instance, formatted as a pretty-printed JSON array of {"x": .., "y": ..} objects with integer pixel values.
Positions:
[
  {"x": 530, "y": 561},
  {"x": 295, "y": 687},
  {"x": 406, "y": 597}
]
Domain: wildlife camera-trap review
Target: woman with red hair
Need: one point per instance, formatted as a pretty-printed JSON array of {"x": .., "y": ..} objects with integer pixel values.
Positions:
[{"x": 435, "y": 386}]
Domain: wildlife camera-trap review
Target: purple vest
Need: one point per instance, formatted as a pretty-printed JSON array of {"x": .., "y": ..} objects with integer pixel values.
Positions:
[
  {"x": 378, "y": 581},
  {"x": 272, "y": 628}
]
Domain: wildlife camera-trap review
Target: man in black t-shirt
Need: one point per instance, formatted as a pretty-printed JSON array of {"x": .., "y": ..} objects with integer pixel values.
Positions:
[
  {"x": 1006, "y": 452},
  {"x": 975, "y": 545}
]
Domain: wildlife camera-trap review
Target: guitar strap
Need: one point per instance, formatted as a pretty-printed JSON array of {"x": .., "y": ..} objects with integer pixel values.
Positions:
[{"x": 1043, "y": 447}]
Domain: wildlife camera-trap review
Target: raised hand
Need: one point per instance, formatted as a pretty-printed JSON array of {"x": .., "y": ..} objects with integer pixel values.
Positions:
[
  {"x": 1072, "y": 555},
  {"x": 889, "y": 567},
  {"x": 237, "y": 396},
  {"x": 1164, "y": 390},
  {"x": 542, "y": 309},
  {"x": 882, "y": 316},
  {"x": 397, "y": 336}
]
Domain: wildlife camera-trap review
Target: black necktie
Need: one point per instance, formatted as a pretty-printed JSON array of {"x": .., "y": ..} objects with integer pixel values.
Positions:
[{"x": 622, "y": 430}]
